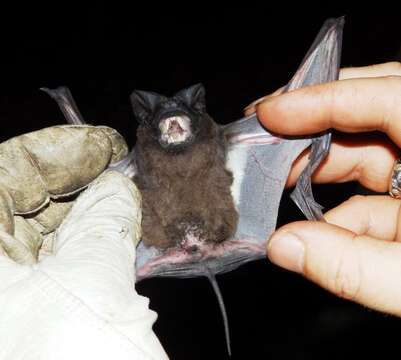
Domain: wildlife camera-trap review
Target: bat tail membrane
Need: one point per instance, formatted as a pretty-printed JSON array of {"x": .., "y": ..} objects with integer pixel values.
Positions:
[
  {"x": 321, "y": 65},
  {"x": 209, "y": 274},
  {"x": 67, "y": 105}
]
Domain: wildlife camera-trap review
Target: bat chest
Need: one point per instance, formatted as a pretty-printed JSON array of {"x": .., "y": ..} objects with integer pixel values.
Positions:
[{"x": 189, "y": 206}]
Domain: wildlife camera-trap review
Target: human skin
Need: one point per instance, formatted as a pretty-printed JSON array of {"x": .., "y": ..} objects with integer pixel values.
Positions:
[{"x": 356, "y": 254}]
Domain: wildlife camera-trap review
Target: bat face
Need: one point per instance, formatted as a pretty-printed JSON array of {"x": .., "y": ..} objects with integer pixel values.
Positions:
[{"x": 174, "y": 122}]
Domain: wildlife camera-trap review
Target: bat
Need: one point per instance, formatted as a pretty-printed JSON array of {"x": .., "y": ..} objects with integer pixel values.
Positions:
[
  {"x": 253, "y": 163},
  {"x": 181, "y": 174}
]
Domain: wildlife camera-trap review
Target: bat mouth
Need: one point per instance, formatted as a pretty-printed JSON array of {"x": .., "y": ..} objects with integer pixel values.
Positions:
[{"x": 175, "y": 129}]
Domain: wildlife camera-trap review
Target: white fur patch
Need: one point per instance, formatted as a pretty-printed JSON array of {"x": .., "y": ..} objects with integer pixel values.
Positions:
[{"x": 236, "y": 163}]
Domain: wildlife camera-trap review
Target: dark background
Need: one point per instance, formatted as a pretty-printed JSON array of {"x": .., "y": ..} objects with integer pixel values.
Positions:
[{"x": 240, "y": 53}]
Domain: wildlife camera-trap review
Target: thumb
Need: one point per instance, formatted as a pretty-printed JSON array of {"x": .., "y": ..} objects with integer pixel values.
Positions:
[{"x": 355, "y": 267}]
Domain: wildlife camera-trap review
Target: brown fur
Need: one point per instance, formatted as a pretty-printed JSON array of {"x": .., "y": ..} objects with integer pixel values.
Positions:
[{"x": 188, "y": 189}]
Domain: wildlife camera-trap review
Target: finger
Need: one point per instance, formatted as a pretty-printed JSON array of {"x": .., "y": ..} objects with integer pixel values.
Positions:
[
  {"x": 355, "y": 267},
  {"x": 367, "y": 160},
  {"x": 376, "y": 216},
  {"x": 16, "y": 250},
  {"x": 387, "y": 69},
  {"x": 251, "y": 108},
  {"x": 350, "y": 105}
]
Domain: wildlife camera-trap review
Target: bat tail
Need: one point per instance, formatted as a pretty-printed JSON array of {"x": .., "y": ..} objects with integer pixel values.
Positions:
[
  {"x": 220, "y": 300},
  {"x": 66, "y": 103}
]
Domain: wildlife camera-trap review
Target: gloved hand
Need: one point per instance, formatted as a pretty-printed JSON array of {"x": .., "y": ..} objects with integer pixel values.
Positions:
[
  {"x": 80, "y": 302},
  {"x": 40, "y": 174}
]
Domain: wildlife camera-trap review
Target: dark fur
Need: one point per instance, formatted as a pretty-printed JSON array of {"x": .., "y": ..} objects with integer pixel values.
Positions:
[{"x": 185, "y": 189}]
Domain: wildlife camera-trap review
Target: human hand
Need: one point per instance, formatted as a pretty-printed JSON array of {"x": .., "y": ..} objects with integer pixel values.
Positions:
[
  {"x": 357, "y": 253},
  {"x": 80, "y": 301}
]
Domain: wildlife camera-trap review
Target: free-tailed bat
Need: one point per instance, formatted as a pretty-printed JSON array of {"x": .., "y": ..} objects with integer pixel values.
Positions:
[
  {"x": 180, "y": 157},
  {"x": 258, "y": 161}
]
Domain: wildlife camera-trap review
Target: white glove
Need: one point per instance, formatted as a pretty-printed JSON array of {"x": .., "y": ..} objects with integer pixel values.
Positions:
[{"x": 81, "y": 302}]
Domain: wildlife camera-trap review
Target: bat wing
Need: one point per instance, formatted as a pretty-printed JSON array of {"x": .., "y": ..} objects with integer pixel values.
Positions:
[
  {"x": 260, "y": 163},
  {"x": 63, "y": 97},
  {"x": 65, "y": 101}
]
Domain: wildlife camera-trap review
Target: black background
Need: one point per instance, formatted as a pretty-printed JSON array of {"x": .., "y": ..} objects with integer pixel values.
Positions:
[{"x": 239, "y": 53}]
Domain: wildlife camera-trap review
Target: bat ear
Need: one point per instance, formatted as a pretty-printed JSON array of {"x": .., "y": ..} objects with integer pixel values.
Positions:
[
  {"x": 194, "y": 97},
  {"x": 144, "y": 104}
]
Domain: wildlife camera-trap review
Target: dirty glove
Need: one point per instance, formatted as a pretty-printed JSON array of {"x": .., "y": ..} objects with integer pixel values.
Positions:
[{"x": 79, "y": 302}]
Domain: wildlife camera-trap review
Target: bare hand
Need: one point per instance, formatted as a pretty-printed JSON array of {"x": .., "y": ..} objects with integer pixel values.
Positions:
[{"x": 357, "y": 253}]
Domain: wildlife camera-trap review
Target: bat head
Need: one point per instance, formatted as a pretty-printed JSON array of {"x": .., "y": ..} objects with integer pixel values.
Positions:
[{"x": 175, "y": 121}]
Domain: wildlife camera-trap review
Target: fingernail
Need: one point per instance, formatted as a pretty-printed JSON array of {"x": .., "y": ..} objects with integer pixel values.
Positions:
[
  {"x": 287, "y": 251},
  {"x": 255, "y": 103},
  {"x": 250, "y": 106}
]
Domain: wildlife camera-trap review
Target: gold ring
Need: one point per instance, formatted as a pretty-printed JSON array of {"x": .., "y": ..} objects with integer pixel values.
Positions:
[{"x": 395, "y": 181}]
